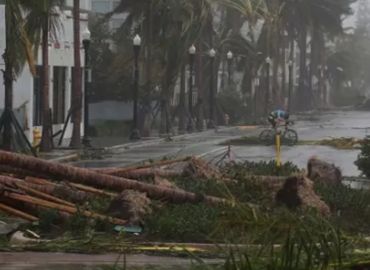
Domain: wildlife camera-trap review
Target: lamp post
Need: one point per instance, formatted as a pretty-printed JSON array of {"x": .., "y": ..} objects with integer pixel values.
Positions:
[
  {"x": 290, "y": 84},
  {"x": 229, "y": 63},
  {"x": 135, "y": 134},
  {"x": 86, "y": 141},
  {"x": 211, "y": 123},
  {"x": 267, "y": 94},
  {"x": 190, "y": 127}
]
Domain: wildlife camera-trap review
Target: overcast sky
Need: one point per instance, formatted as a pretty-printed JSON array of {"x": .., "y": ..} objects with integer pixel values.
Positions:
[{"x": 351, "y": 21}]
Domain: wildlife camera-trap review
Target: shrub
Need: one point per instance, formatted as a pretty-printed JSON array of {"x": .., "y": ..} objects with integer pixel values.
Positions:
[{"x": 363, "y": 159}]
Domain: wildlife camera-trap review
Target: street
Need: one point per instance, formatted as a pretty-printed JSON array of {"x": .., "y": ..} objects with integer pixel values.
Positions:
[{"x": 337, "y": 124}]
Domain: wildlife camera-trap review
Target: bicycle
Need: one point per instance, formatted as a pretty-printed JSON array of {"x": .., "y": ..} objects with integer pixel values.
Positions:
[{"x": 289, "y": 136}]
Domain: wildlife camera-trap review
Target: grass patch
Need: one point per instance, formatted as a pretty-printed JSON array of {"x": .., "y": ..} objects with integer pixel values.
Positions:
[{"x": 337, "y": 143}]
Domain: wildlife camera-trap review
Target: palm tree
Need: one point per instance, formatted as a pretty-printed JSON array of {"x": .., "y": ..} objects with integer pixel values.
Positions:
[
  {"x": 298, "y": 16},
  {"x": 179, "y": 21},
  {"x": 77, "y": 80},
  {"x": 42, "y": 23},
  {"x": 18, "y": 50}
]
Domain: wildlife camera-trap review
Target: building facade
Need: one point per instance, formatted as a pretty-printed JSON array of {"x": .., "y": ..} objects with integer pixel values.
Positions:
[
  {"x": 105, "y": 6},
  {"x": 27, "y": 89}
]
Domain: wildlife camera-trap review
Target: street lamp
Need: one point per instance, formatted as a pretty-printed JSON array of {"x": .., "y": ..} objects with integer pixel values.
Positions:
[
  {"x": 267, "y": 94},
  {"x": 211, "y": 123},
  {"x": 192, "y": 50},
  {"x": 86, "y": 35},
  {"x": 290, "y": 84},
  {"x": 229, "y": 63},
  {"x": 135, "y": 134}
]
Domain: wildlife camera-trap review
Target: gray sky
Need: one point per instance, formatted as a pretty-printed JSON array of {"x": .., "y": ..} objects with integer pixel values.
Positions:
[{"x": 351, "y": 21}]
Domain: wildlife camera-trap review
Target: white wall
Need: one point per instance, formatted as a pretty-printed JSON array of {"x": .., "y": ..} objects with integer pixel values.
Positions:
[
  {"x": 84, "y": 4},
  {"x": 60, "y": 54}
]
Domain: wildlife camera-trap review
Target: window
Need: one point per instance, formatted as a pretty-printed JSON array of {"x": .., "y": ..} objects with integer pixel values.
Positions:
[
  {"x": 100, "y": 6},
  {"x": 37, "y": 109},
  {"x": 59, "y": 89},
  {"x": 116, "y": 4},
  {"x": 116, "y": 23}
]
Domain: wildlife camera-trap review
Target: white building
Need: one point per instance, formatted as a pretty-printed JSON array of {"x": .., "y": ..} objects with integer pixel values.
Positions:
[
  {"x": 85, "y": 5},
  {"x": 105, "y": 6},
  {"x": 27, "y": 89}
]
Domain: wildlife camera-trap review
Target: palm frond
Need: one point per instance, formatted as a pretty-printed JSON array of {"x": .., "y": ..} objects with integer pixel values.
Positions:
[
  {"x": 37, "y": 11},
  {"x": 18, "y": 43}
]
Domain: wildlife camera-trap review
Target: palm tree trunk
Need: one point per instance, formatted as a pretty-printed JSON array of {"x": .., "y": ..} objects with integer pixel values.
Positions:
[
  {"x": 8, "y": 84},
  {"x": 181, "y": 106},
  {"x": 77, "y": 84},
  {"x": 275, "y": 83},
  {"x": 146, "y": 131},
  {"x": 303, "y": 97},
  {"x": 283, "y": 66},
  {"x": 84, "y": 176},
  {"x": 312, "y": 63},
  {"x": 199, "y": 66},
  {"x": 45, "y": 145}
]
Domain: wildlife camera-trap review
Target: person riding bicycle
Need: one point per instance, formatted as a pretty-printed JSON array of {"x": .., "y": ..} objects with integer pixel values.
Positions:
[{"x": 278, "y": 116}]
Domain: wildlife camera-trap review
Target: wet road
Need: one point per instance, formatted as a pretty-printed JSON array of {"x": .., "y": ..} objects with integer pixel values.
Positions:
[{"x": 337, "y": 124}]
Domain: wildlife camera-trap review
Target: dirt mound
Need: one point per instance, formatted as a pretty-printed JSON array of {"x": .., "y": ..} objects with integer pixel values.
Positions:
[
  {"x": 198, "y": 168},
  {"x": 130, "y": 205},
  {"x": 298, "y": 192},
  {"x": 323, "y": 172}
]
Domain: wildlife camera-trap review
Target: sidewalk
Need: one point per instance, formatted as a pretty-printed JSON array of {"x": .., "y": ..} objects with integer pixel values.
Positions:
[
  {"x": 65, "y": 156},
  {"x": 55, "y": 261}
]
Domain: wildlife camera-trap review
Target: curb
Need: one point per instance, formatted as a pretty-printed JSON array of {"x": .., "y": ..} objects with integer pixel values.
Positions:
[{"x": 158, "y": 141}]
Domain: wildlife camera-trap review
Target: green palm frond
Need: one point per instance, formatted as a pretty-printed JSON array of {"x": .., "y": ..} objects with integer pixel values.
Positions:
[
  {"x": 19, "y": 46},
  {"x": 37, "y": 12}
]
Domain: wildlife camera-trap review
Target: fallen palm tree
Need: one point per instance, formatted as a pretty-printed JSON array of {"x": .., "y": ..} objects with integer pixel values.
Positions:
[
  {"x": 43, "y": 195},
  {"x": 148, "y": 173},
  {"x": 88, "y": 177},
  {"x": 17, "y": 213},
  {"x": 64, "y": 208},
  {"x": 72, "y": 187},
  {"x": 52, "y": 189},
  {"x": 144, "y": 166}
]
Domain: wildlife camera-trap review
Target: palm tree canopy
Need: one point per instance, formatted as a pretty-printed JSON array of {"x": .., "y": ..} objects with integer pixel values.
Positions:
[
  {"x": 37, "y": 12},
  {"x": 21, "y": 49}
]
